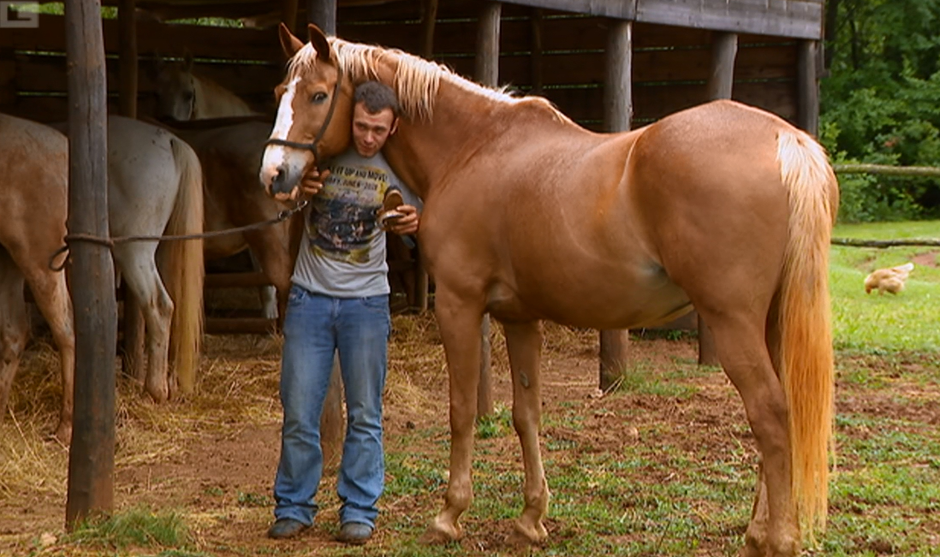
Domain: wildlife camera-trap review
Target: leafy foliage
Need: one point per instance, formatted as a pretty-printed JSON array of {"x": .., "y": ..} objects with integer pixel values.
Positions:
[{"x": 881, "y": 104}]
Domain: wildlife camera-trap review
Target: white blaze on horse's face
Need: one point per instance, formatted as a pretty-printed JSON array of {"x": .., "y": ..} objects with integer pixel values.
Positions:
[{"x": 282, "y": 167}]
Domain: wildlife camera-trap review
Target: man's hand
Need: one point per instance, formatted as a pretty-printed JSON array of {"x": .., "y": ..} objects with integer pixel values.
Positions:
[
  {"x": 310, "y": 185},
  {"x": 407, "y": 223}
]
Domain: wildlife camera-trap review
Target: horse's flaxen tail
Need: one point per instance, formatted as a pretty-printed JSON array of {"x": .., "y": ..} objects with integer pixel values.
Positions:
[
  {"x": 805, "y": 359},
  {"x": 183, "y": 260}
]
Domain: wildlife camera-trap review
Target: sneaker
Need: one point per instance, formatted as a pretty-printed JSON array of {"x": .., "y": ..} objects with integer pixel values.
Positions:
[
  {"x": 354, "y": 533},
  {"x": 284, "y": 528}
]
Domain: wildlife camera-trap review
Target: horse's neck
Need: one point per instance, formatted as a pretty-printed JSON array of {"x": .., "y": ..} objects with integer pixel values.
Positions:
[
  {"x": 214, "y": 101},
  {"x": 464, "y": 128}
]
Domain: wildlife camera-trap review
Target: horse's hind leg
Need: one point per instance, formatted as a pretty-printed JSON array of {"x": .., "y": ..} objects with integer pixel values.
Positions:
[
  {"x": 774, "y": 529},
  {"x": 524, "y": 341},
  {"x": 273, "y": 255},
  {"x": 139, "y": 271},
  {"x": 267, "y": 294},
  {"x": 52, "y": 298},
  {"x": 14, "y": 327}
]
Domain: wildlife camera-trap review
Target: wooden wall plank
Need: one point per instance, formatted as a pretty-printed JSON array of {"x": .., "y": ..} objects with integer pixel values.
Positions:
[
  {"x": 585, "y": 105},
  {"x": 786, "y": 18},
  {"x": 153, "y": 37}
]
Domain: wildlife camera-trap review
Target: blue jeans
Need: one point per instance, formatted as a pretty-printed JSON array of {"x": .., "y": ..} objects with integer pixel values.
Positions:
[{"x": 315, "y": 326}]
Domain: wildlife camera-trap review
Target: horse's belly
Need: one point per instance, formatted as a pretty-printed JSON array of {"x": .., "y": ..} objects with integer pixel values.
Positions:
[
  {"x": 593, "y": 301},
  {"x": 223, "y": 246}
]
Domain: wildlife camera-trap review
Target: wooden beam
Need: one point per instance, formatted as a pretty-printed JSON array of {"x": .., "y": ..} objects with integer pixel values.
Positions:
[
  {"x": 807, "y": 88},
  {"x": 721, "y": 76},
  {"x": 91, "y": 457},
  {"x": 620, "y": 9},
  {"x": 535, "y": 58},
  {"x": 321, "y": 13},
  {"x": 428, "y": 24},
  {"x": 289, "y": 16},
  {"x": 618, "y": 87},
  {"x": 618, "y": 111},
  {"x": 720, "y": 82},
  {"x": 132, "y": 353},
  {"x": 487, "y": 73},
  {"x": 487, "y": 55},
  {"x": 332, "y": 421}
]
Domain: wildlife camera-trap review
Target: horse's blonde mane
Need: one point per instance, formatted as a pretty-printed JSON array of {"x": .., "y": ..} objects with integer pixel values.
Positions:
[{"x": 416, "y": 81}]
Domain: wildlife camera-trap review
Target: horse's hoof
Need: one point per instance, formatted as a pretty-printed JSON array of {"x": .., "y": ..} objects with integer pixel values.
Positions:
[
  {"x": 63, "y": 433},
  {"x": 522, "y": 536},
  {"x": 436, "y": 535},
  {"x": 159, "y": 394}
]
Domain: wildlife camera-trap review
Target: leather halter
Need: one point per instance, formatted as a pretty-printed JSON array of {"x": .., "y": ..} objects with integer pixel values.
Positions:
[{"x": 313, "y": 146}]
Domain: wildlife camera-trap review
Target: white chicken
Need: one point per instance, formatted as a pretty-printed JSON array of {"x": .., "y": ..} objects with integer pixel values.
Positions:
[{"x": 888, "y": 280}]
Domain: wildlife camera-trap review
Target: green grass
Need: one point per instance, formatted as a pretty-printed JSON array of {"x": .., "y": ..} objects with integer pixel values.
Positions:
[
  {"x": 907, "y": 321},
  {"x": 137, "y": 527}
]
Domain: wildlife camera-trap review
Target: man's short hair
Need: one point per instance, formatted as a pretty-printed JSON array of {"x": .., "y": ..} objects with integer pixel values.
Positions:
[{"x": 377, "y": 97}]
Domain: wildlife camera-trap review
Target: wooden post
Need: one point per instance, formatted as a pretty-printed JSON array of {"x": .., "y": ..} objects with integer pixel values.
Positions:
[
  {"x": 807, "y": 88},
  {"x": 91, "y": 458},
  {"x": 535, "y": 59},
  {"x": 487, "y": 73},
  {"x": 322, "y": 13},
  {"x": 133, "y": 326},
  {"x": 289, "y": 16},
  {"x": 720, "y": 85},
  {"x": 721, "y": 77},
  {"x": 421, "y": 275},
  {"x": 428, "y": 24},
  {"x": 618, "y": 111}
]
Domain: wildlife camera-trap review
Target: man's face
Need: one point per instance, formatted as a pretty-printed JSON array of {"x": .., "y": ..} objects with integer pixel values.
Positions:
[{"x": 370, "y": 131}]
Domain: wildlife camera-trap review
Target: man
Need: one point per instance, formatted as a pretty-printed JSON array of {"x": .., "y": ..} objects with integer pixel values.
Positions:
[{"x": 339, "y": 301}]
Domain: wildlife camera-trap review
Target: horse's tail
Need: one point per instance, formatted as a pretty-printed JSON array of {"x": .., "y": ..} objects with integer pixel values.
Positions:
[
  {"x": 805, "y": 350},
  {"x": 185, "y": 266}
]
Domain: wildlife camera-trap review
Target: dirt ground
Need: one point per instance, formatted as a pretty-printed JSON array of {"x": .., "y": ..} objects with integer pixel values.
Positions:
[{"x": 213, "y": 457}]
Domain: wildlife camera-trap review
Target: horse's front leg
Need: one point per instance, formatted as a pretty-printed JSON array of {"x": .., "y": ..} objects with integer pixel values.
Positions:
[
  {"x": 459, "y": 322},
  {"x": 524, "y": 343}
]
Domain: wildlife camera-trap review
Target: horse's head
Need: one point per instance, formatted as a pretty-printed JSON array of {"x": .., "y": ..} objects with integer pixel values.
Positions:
[
  {"x": 176, "y": 89},
  {"x": 313, "y": 115}
]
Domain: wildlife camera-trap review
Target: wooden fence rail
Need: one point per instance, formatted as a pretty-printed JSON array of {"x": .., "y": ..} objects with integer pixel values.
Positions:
[{"x": 863, "y": 168}]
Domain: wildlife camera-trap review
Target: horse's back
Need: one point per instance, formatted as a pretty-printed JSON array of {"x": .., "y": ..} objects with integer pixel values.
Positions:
[{"x": 143, "y": 176}]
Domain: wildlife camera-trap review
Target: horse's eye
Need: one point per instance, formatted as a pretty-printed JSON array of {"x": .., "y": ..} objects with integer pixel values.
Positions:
[
  {"x": 318, "y": 97},
  {"x": 188, "y": 96}
]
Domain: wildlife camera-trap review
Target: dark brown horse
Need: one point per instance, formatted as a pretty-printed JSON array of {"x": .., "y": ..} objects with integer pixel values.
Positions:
[{"x": 528, "y": 216}]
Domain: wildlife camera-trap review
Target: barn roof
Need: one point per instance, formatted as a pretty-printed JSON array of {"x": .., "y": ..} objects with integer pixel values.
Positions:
[{"x": 782, "y": 18}]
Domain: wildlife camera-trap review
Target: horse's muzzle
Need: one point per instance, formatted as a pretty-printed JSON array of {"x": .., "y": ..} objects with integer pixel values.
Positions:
[{"x": 281, "y": 183}]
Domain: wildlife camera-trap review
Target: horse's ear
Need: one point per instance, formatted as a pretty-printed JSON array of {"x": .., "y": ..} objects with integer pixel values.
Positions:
[
  {"x": 319, "y": 42},
  {"x": 188, "y": 62},
  {"x": 289, "y": 43}
]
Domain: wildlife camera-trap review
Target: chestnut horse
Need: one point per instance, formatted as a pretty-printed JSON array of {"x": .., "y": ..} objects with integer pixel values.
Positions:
[
  {"x": 154, "y": 188},
  {"x": 528, "y": 216},
  {"x": 34, "y": 172}
]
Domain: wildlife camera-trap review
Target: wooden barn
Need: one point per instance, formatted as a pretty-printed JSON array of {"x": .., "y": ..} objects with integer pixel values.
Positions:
[
  {"x": 610, "y": 65},
  {"x": 665, "y": 55}
]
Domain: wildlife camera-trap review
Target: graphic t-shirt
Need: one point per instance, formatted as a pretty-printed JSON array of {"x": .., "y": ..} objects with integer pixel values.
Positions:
[{"x": 342, "y": 252}]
